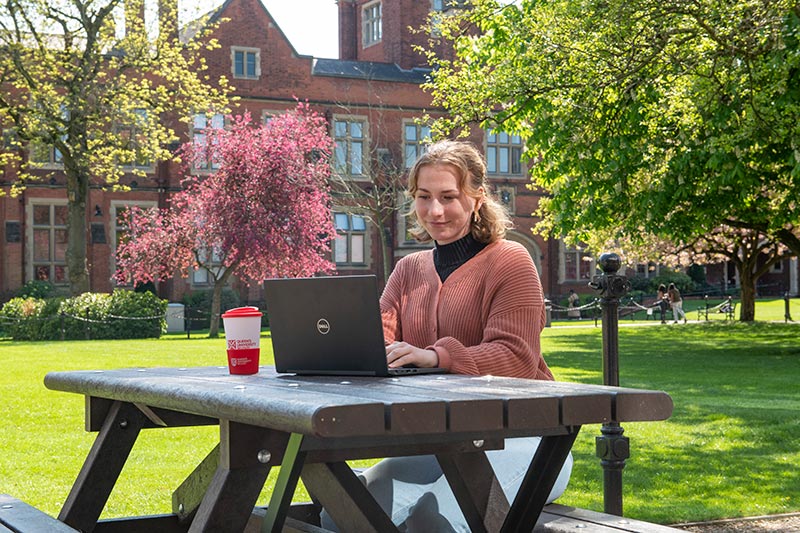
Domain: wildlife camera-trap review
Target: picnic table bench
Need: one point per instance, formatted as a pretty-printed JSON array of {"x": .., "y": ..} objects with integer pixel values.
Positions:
[{"x": 309, "y": 426}]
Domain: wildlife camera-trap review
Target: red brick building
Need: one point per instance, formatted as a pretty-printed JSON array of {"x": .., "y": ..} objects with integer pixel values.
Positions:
[{"x": 371, "y": 98}]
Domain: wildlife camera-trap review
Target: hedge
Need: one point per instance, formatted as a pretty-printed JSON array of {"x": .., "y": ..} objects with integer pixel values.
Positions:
[{"x": 122, "y": 314}]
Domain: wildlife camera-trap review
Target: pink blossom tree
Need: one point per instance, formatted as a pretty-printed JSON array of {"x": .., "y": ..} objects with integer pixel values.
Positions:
[{"x": 264, "y": 212}]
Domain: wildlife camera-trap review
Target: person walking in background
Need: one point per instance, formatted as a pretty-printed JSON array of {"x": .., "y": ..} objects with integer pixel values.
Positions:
[
  {"x": 676, "y": 302},
  {"x": 663, "y": 302},
  {"x": 574, "y": 302}
]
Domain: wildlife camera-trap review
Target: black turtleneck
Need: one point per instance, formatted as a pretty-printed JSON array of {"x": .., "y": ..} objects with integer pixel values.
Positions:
[{"x": 448, "y": 257}]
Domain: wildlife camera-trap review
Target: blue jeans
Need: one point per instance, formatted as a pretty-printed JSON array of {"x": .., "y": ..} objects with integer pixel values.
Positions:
[{"x": 415, "y": 494}]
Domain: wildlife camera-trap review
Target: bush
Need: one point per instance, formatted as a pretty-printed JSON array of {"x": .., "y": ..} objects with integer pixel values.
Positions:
[
  {"x": 198, "y": 306},
  {"x": 89, "y": 315},
  {"x": 40, "y": 289},
  {"x": 22, "y": 318},
  {"x": 85, "y": 316},
  {"x": 137, "y": 304},
  {"x": 683, "y": 282}
]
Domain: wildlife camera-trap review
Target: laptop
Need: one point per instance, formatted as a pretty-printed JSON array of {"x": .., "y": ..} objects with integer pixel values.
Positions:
[{"x": 329, "y": 326}]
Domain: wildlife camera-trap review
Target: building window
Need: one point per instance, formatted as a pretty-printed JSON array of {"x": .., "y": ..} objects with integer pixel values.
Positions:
[
  {"x": 415, "y": 142},
  {"x": 48, "y": 242},
  {"x": 46, "y": 154},
  {"x": 446, "y": 5},
  {"x": 404, "y": 223},
  {"x": 201, "y": 122},
  {"x": 200, "y": 276},
  {"x": 119, "y": 227},
  {"x": 371, "y": 18},
  {"x": 246, "y": 63},
  {"x": 647, "y": 270},
  {"x": 349, "y": 138},
  {"x": 578, "y": 264},
  {"x": 503, "y": 153},
  {"x": 132, "y": 140},
  {"x": 350, "y": 244}
]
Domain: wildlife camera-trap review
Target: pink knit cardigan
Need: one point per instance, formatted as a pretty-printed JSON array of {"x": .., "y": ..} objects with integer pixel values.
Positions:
[{"x": 485, "y": 319}]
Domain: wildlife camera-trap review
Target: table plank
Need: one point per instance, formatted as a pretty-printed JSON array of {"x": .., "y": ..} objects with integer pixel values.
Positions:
[{"x": 367, "y": 406}]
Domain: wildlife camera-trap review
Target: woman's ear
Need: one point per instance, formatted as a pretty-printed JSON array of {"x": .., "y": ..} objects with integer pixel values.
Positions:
[{"x": 479, "y": 201}]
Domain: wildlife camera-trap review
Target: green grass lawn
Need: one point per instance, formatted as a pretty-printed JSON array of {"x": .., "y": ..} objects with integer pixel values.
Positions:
[
  {"x": 767, "y": 310},
  {"x": 731, "y": 448}
]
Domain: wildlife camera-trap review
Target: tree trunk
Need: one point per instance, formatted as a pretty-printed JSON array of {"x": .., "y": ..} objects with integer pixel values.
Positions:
[
  {"x": 747, "y": 308},
  {"x": 386, "y": 250},
  {"x": 77, "y": 195},
  {"x": 216, "y": 300},
  {"x": 216, "y": 304}
]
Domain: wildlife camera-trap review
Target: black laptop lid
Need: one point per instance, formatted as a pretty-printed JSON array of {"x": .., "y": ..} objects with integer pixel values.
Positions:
[{"x": 326, "y": 325}]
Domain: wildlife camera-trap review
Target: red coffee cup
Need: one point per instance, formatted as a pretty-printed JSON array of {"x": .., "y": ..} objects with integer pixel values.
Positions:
[{"x": 243, "y": 335}]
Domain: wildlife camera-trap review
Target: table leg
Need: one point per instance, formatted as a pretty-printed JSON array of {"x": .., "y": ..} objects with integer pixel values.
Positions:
[
  {"x": 538, "y": 482},
  {"x": 476, "y": 489},
  {"x": 102, "y": 467},
  {"x": 345, "y": 498},
  {"x": 293, "y": 460},
  {"x": 232, "y": 494}
]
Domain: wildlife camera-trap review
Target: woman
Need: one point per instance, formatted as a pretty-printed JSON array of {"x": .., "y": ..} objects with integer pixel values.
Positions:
[
  {"x": 574, "y": 302},
  {"x": 663, "y": 302},
  {"x": 472, "y": 305},
  {"x": 676, "y": 302}
]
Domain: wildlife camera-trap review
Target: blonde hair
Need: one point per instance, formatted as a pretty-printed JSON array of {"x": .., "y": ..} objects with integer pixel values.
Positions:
[{"x": 493, "y": 220}]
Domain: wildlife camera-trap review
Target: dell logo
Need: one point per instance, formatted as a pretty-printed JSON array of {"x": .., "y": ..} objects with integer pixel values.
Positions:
[{"x": 323, "y": 326}]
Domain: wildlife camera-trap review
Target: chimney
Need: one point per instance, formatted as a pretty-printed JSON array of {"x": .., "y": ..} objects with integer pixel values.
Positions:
[{"x": 348, "y": 30}]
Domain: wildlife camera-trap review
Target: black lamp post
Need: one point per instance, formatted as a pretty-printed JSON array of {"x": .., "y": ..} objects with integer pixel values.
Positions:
[{"x": 612, "y": 447}]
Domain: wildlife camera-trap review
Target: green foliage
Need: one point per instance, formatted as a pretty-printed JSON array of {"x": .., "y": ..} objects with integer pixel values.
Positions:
[
  {"x": 22, "y": 317},
  {"x": 698, "y": 275},
  {"x": 92, "y": 315},
  {"x": 132, "y": 305},
  {"x": 198, "y": 303},
  {"x": 683, "y": 282},
  {"x": 36, "y": 289},
  {"x": 65, "y": 91},
  {"x": 668, "y": 130},
  {"x": 649, "y": 286}
]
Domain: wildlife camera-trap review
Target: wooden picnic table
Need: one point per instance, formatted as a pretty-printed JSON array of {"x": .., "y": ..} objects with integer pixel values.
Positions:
[{"x": 309, "y": 426}]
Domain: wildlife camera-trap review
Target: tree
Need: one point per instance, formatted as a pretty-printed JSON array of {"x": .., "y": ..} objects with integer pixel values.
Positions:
[
  {"x": 100, "y": 103},
  {"x": 264, "y": 213},
  {"x": 643, "y": 119},
  {"x": 377, "y": 193}
]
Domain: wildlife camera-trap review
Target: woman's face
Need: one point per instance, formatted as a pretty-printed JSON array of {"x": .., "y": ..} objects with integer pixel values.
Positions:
[{"x": 442, "y": 208}]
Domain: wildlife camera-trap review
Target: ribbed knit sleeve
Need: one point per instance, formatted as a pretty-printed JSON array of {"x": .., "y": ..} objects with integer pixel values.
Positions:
[{"x": 486, "y": 318}]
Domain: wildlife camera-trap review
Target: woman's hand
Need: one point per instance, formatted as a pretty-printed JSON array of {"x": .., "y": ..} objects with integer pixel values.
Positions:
[{"x": 401, "y": 354}]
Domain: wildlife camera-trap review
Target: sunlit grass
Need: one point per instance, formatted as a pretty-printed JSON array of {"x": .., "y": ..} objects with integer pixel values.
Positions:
[{"x": 731, "y": 447}]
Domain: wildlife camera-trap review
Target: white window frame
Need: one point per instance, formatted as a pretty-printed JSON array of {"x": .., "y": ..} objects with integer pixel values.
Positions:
[
  {"x": 244, "y": 50},
  {"x": 499, "y": 143},
  {"x": 371, "y": 23},
  {"x": 198, "y": 136},
  {"x": 133, "y": 129},
  {"x": 52, "y": 262},
  {"x": 579, "y": 253},
  {"x": 346, "y": 167},
  {"x": 416, "y": 146},
  {"x": 200, "y": 276},
  {"x": 55, "y": 159},
  {"x": 346, "y": 236},
  {"x": 114, "y": 207}
]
